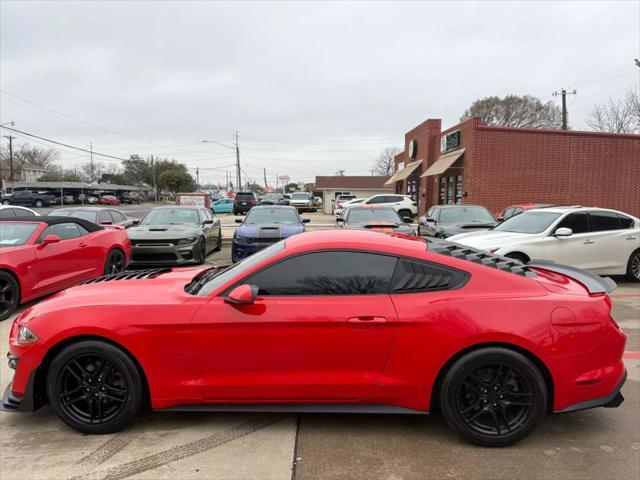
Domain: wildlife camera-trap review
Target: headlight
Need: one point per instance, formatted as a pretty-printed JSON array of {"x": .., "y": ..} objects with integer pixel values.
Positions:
[
  {"x": 187, "y": 241},
  {"x": 26, "y": 336}
]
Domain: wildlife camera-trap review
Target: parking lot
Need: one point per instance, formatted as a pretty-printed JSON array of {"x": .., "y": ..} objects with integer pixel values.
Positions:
[{"x": 595, "y": 444}]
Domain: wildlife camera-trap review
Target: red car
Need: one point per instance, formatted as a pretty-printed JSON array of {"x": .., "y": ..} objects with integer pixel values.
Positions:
[
  {"x": 42, "y": 255},
  {"x": 328, "y": 321},
  {"x": 514, "y": 210},
  {"x": 108, "y": 200}
]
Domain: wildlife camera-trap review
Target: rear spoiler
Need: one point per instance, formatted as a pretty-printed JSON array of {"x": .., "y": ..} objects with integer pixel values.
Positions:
[{"x": 592, "y": 282}]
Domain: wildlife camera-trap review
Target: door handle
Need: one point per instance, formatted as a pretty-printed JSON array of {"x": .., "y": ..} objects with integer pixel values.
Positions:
[
  {"x": 631, "y": 237},
  {"x": 367, "y": 320},
  {"x": 82, "y": 244},
  {"x": 588, "y": 242}
]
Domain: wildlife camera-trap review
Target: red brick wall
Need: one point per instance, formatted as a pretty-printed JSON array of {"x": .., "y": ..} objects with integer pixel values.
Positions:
[{"x": 506, "y": 166}]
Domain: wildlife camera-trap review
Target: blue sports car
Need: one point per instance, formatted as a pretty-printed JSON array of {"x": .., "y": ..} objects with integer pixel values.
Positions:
[{"x": 263, "y": 226}]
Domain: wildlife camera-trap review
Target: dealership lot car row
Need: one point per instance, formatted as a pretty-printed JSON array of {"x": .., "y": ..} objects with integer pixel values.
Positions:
[{"x": 368, "y": 281}]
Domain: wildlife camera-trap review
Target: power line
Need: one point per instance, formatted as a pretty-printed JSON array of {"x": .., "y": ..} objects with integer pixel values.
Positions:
[{"x": 64, "y": 144}]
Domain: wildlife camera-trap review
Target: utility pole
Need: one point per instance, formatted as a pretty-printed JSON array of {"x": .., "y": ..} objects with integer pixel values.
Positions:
[
  {"x": 238, "y": 178},
  {"x": 197, "y": 177},
  {"x": 265, "y": 179},
  {"x": 153, "y": 176},
  {"x": 91, "y": 160},
  {"x": 10, "y": 156},
  {"x": 563, "y": 92}
]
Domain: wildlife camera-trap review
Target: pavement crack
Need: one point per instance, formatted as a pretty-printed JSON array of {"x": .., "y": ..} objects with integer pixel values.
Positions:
[{"x": 180, "y": 452}]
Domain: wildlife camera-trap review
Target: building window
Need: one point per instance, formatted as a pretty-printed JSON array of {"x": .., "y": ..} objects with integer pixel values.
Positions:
[
  {"x": 459, "y": 190},
  {"x": 451, "y": 191},
  {"x": 443, "y": 190}
]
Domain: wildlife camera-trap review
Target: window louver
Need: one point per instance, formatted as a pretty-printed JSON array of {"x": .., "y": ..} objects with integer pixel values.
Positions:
[
  {"x": 412, "y": 276},
  {"x": 455, "y": 250},
  {"x": 132, "y": 275}
]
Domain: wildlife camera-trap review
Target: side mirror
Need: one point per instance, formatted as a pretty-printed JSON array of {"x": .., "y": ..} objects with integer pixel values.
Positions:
[
  {"x": 306, "y": 220},
  {"x": 429, "y": 219},
  {"x": 207, "y": 222},
  {"x": 500, "y": 218},
  {"x": 136, "y": 221},
  {"x": 242, "y": 295},
  {"x": 563, "y": 232},
  {"x": 49, "y": 239},
  {"x": 106, "y": 223},
  {"x": 238, "y": 220}
]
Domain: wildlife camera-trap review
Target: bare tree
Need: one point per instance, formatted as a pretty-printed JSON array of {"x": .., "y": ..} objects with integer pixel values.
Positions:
[
  {"x": 617, "y": 115},
  {"x": 92, "y": 171},
  {"x": 26, "y": 155},
  {"x": 385, "y": 163},
  {"x": 515, "y": 111}
]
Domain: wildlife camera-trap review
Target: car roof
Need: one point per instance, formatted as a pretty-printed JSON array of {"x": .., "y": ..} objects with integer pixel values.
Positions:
[
  {"x": 574, "y": 208},
  {"x": 92, "y": 209},
  {"x": 270, "y": 207},
  {"x": 357, "y": 240},
  {"x": 371, "y": 207},
  {"x": 461, "y": 206},
  {"x": 183, "y": 207},
  {"x": 53, "y": 220}
]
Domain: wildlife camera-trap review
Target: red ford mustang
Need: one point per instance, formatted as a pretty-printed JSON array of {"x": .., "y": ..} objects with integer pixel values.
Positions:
[
  {"x": 42, "y": 255},
  {"x": 337, "y": 321}
]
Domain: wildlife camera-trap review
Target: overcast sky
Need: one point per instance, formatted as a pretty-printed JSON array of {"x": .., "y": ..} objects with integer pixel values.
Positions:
[{"x": 311, "y": 87}]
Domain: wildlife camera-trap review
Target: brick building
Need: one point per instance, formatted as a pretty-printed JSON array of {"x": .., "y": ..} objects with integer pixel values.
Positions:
[{"x": 499, "y": 166}]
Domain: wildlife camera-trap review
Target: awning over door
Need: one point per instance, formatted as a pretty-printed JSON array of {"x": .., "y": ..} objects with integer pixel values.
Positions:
[
  {"x": 443, "y": 163},
  {"x": 404, "y": 173}
]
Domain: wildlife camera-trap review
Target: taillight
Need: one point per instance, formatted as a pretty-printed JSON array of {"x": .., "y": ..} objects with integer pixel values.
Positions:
[
  {"x": 253, "y": 202},
  {"x": 339, "y": 205}
]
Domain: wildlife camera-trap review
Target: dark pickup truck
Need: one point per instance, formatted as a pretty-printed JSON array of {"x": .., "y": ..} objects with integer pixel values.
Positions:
[{"x": 27, "y": 198}]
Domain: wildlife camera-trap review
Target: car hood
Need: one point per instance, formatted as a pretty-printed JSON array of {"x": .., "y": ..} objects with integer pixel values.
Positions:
[
  {"x": 164, "y": 287},
  {"x": 162, "y": 232},
  {"x": 464, "y": 227},
  {"x": 489, "y": 238},
  {"x": 268, "y": 230}
]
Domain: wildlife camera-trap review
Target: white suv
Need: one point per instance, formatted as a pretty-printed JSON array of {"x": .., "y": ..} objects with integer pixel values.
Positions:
[
  {"x": 603, "y": 241},
  {"x": 403, "y": 204}
]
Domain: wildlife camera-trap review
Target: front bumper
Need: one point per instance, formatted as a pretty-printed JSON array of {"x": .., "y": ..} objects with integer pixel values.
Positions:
[
  {"x": 164, "y": 255},
  {"x": 240, "y": 251},
  {"x": 29, "y": 402}
]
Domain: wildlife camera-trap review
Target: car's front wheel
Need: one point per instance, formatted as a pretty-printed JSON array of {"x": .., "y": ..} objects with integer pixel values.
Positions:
[
  {"x": 39, "y": 203},
  {"x": 5, "y": 202},
  {"x": 9, "y": 295},
  {"x": 94, "y": 387},
  {"x": 493, "y": 397},
  {"x": 218, "y": 241},
  {"x": 201, "y": 249},
  {"x": 633, "y": 267},
  {"x": 115, "y": 262}
]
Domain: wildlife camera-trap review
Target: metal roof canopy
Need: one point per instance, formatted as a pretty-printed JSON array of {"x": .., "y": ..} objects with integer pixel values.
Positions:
[
  {"x": 404, "y": 173},
  {"x": 78, "y": 185},
  {"x": 443, "y": 163}
]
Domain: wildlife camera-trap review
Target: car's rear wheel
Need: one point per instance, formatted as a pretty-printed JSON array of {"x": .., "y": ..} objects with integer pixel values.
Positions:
[
  {"x": 39, "y": 203},
  {"x": 633, "y": 267},
  {"x": 115, "y": 262},
  {"x": 94, "y": 387},
  {"x": 493, "y": 397},
  {"x": 5, "y": 202},
  {"x": 9, "y": 295}
]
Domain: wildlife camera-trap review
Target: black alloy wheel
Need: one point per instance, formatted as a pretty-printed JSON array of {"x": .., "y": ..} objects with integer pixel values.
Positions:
[
  {"x": 493, "y": 397},
  {"x": 115, "y": 262},
  {"x": 201, "y": 249},
  {"x": 94, "y": 387},
  {"x": 633, "y": 267},
  {"x": 9, "y": 295}
]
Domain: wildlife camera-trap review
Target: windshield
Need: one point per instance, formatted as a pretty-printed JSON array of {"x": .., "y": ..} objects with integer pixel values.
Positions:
[
  {"x": 164, "y": 216},
  {"x": 272, "y": 215},
  {"x": 368, "y": 215},
  {"x": 465, "y": 214},
  {"x": 528, "y": 222},
  {"x": 300, "y": 196},
  {"x": 83, "y": 214},
  {"x": 220, "y": 277},
  {"x": 15, "y": 234}
]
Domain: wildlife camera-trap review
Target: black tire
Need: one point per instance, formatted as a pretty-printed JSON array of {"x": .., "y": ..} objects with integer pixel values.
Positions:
[
  {"x": 9, "y": 295},
  {"x": 219, "y": 241},
  {"x": 521, "y": 257},
  {"x": 493, "y": 397},
  {"x": 633, "y": 267},
  {"x": 6, "y": 202},
  {"x": 39, "y": 204},
  {"x": 201, "y": 249},
  {"x": 94, "y": 387},
  {"x": 404, "y": 213},
  {"x": 115, "y": 262}
]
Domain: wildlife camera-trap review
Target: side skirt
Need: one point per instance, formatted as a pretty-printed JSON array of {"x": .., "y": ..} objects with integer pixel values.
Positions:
[{"x": 296, "y": 408}]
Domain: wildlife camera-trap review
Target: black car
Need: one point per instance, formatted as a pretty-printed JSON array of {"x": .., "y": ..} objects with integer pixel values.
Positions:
[
  {"x": 384, "y": 219},
  {"x": 27, "y": 198},
  {"x": 274, "y": 199},
  {"x": 243, "y": 202},
  {"x": 443, "y": 221}
]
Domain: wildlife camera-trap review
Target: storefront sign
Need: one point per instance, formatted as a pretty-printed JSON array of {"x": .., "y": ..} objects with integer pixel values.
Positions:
[
  {"x": 413, "y": 148},
  {"x": 450, "y": 141}
]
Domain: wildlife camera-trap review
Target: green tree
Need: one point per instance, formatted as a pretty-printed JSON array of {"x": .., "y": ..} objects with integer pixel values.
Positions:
[
  {"x": 60, "y": 176},
  {"x": 176, "y": 180}
]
